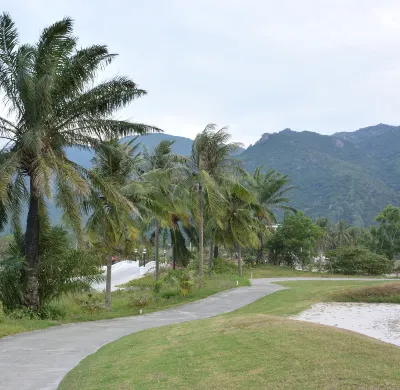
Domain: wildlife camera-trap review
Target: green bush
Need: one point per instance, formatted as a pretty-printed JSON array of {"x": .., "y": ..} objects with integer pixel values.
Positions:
[
  {"x": 169, "y": 294},
  {"x": 61, "y": 269},
  {"x": 222, "y": 266},
  {"x": 91, "y": 304},
  {"x": 357, "y": 261},
  {"x": 142, "y": 301}
]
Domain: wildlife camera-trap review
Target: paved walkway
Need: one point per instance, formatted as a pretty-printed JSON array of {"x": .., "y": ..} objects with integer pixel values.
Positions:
[{"x": 39, "y": 360}]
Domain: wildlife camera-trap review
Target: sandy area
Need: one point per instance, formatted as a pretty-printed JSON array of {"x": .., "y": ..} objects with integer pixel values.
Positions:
[
  {"x": 378, "y": 320},
  {"x": 123, "y": 272}
]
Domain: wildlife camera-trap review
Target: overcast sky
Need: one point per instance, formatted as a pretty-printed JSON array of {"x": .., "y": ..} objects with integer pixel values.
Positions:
[{"x": 255, "y": 65}]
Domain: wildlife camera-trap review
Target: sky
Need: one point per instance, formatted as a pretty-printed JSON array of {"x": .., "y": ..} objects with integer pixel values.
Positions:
[{"x": 256, "y": 66}]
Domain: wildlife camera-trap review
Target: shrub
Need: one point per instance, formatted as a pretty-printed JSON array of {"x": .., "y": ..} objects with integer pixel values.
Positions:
[
  {"x": 388, "y": 293},
  {"x": 224, "y": 267},
  {"x": 91, "y": 304},
  {"x": 142, "y": 301},
  {"x": 169, "y": 294},
  {"x": 53, "y": 312},
  {"x": 357, "y": 261},
  {"x": 158, "y": 285},
  {"x": 61, "y": 269}
]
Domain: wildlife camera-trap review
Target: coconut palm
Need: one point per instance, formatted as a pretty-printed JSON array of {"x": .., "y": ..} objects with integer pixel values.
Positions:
[
  {"x": 112, "y": 226},
  {"x": 54, "y": 103},
  {"x": 241, "y": 222},
  {"x": 209, "y": 163},
  {"x": 270, "y": 189},
  {"x": 163, "y": 168}
]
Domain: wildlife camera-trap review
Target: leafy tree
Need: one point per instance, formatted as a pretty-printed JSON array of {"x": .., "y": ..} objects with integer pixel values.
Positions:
[
  {"x": 270, "y": 188},
  {"x": 209, "y": 162},
  {"x": 240, "y": 222},
  {"x": 357, "y": 261},
  {"x": 111, "y": 225},
  {"x": 388, "y": 233},
  {"x": 295, "y": 241},
  {"x": 53, "y": 103},
  {"x": 164, "y": 170}
]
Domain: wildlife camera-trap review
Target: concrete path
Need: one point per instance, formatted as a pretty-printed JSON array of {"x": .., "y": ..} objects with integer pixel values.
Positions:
[{"x": 39, "y": 360}]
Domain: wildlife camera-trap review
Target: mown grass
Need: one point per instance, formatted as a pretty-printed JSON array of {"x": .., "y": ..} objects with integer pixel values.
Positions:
[
  {"x": 122, "y": 306},
  {"x": 300, "y": 295},
  {"x": 274, "y": 271},
  {"x": 388, "y": 293},
  {"x": 240, "y": 352}
]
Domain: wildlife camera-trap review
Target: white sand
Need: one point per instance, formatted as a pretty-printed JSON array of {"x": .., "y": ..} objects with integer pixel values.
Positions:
[
  {"x": 123, "y": 272},
  {"x": 378, "y": 320}
]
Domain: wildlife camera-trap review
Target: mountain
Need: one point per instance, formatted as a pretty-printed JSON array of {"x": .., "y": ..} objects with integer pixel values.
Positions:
[
  {"x": 182, "y": 146},
  {"x": 348, "y": 175}
]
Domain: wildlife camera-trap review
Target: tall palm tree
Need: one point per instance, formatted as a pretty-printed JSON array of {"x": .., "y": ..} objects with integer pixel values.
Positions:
[
  {"x": 270, "y": 189},
  {"x": 53, "y": 103},
  {"x": 163, "y": 168},
  {"x": 241, "y": 223},
  {"x": 111, "y": 226},
  {"x": 209, "y": 163}
]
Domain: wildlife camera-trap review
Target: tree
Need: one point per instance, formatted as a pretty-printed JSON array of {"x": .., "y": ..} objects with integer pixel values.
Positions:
[
  {"x": 341, "y": 234},
  {"x": 270, "y": 189},
  {"x": 53, "y": 104},
  {"x": 241, "y": 221},
  {"x": 210, "y": 161},
  {"x": 295, "y": 241},
  {"x": 111, "y": 225},
  {"x": 388, "y": 233},
  {"x": 163, "y": 167}
]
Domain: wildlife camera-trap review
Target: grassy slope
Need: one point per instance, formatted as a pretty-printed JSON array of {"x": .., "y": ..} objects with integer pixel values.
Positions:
[
  {"x": 246, "y": 350},
  {"x": 120, "y": 306}
]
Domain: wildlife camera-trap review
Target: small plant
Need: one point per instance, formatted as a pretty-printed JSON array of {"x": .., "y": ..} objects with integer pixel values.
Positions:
[
  {"x": 2, "y": 315},
  {"x": 169, "y": 294},
  {"x": 23, "y": 313},
  {"x": 158, "y": 285},
  {"x": 142, "y": 301},
  {"x": 92, "y": 304},
  {"x": 52, "y": 312}
]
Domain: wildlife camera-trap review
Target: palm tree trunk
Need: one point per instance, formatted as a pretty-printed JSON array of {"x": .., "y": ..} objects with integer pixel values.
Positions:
[
  {"x": 216, "y": 251},
  {"x": 173, "y": 255},
  {"x": 210, "y": 257},
  {"x": 108, "y": 282},
  {"x": 32, "y": 247},
  {"x": 157, "y": 254},
  {"x": 260, "y": 252},
  {"x": 201, "y": 235},
  {"x": 239, "y": 252}
]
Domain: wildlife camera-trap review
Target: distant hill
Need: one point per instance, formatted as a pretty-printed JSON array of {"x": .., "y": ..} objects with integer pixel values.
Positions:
[{"x": 348, "y": 175}]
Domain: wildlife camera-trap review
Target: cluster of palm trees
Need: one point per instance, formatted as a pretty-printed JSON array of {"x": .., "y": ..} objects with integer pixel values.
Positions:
[{"x": 52, "y": 102}]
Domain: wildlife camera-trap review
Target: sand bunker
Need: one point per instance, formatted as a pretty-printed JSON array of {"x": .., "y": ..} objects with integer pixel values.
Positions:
[{"x": 378, "y": 320}]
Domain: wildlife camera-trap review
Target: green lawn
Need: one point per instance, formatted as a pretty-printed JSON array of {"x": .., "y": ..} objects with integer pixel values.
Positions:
[
  {"x": 250, "y": 348},
  {"x": 121, "y": 305},
  {"x": 240, "y": 352}
]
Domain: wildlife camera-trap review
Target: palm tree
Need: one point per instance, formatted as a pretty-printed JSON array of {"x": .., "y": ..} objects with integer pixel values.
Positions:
[
  {"x": 340, "y": 234},
  {"x": 163, "y": 168},
  {"x": 209, "y": 163},
  {"x": 241, "y": 223},
  {"x": 111, "y": 226},
  {"x": 53, "y": 103},
  {"x": 270, "y": 189}
]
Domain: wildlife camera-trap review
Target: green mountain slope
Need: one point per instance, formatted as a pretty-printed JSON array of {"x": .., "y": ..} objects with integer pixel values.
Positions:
[{"x": 347, "y": 175}]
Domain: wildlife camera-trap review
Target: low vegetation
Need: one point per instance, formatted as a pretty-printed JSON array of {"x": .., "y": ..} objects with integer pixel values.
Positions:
[
  {"x": 219, "y": 353},
  {"x": 388, "y": 293},
  {"x": 142, "y": 294}
]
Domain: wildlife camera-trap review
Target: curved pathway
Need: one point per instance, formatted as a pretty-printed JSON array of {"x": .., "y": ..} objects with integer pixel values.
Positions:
[{"x": 40, "y": 359}]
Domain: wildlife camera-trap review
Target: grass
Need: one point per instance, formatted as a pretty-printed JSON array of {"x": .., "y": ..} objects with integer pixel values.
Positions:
[
  {"x": 121, "y": 304},
  {"x": 301, "y": 295},
  {"x": 240, "y": 352},
  {"x": 274, "y": 271},
  {"x": 250, "y": 348},
  {"x": 388, "y": 293}
]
